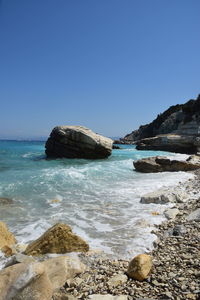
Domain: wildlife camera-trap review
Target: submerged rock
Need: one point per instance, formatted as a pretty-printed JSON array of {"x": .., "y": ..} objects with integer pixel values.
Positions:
[
  {"x": 77, "y": 142},
  {"x": 116, "y": 147},
  {"x": 7, "y": 239},
  {"x": 164, "y": 164},
  {"x": 140, "y": 267},
  {"x": 6, "y": 201},
  {"x": 57, "y": 239}
]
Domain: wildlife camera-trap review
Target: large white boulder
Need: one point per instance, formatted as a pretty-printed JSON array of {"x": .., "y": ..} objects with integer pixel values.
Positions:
[{"x": 77, "y": 142}]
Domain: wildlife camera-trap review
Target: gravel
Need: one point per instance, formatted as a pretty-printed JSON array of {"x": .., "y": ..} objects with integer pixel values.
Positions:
[{"x": 176, "y": 260}]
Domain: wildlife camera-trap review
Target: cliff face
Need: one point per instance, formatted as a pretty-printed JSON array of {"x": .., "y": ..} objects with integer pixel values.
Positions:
[{"x": 181, "y": 119}]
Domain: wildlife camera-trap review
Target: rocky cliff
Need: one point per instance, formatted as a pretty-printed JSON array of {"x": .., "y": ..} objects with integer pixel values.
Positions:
[{"x": 181, "y": 119}]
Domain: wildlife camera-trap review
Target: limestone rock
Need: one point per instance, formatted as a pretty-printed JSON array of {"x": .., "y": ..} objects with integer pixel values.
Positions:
[
  {"x": 77, "y": 142},
  {"x": 8, "y": 251},
  {"x": 19, "y": 258},
  {"x": 164, "y": 195},
  {"x": 6, "y": 237},
  {"x": 194, "y": 215},
  {"x": 194, "y": 159},
  {"x": 169, "y": 142},
  {"x": 38, "y": 289},
  {"x": 15, "y": 278},
  {"x": 140, "y": 267},
  {"x": 180, "y": 119},
  {"x": 164, "y": 164},
  {"x": 20, "y": 247},
  {"x": 171, "y": 213},
  {"x": 116, "y": 280},
  {"x": 160, "y": 196},
  {"x": 57, "y": 239},
  {"x": 60, "y": 269}
]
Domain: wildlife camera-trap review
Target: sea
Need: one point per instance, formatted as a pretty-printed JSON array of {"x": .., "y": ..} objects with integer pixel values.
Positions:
[{"x": 99, "y": 199}]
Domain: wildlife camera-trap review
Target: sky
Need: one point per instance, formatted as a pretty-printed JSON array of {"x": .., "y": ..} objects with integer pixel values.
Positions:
[{"x": 110, "y": 65}]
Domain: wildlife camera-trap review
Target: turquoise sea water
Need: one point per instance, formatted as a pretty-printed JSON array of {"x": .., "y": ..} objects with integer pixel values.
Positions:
[{"x": 98, "y": 198}]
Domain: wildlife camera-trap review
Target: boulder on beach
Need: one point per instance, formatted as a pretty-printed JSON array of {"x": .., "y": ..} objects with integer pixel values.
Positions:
[
  {"x": 38, "y": 281},
  {"x": 57, "y": 239},
  {"x": 140, "y": 267},
  {"x": 15, "y": 278},
  {"x": 7, "y": 239},
  {"x": 164, "y": 164},
  {"x": 60, "y": 269},
  {"x": 77, "y": 142}
]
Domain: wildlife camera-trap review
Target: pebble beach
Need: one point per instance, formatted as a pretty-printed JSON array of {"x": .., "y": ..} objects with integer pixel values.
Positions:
[{"x": 176, "y": 262}]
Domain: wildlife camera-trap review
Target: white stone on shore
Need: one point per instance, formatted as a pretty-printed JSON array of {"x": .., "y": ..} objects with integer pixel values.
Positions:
[
  {"x": 62, "y": 268},
  {"x": 37, "y": 281},
  {"x": 194, "y": 216},
  {"x": 171, "y": 213},
  {"x": 163, "y": 196}
]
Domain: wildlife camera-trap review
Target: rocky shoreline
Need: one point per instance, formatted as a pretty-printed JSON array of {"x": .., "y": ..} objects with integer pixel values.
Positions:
[
  {"x": 176, "y": 263},
  {"x": 175, "y": 273}
]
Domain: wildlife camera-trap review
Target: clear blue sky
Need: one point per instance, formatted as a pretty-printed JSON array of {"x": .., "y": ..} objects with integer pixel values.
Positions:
[{"x": 110, "y": 65}]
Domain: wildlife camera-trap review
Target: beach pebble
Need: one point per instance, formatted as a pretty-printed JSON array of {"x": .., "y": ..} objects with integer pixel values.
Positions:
[
  {"x": 117, "y": 280},
  {"x": 179, "y": 230},
  {"x": 140, "y": 267}
]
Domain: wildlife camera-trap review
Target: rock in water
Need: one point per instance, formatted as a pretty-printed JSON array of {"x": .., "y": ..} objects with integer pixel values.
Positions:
[
  {"x": 140, "y": 267},
  {"x": 6, "y": 237},
  {"x": 6, "y": 201},
  {"x": 58, "y": 239},
  {"x": 169, "y": 142},
  {"x": 164, "y": 164},
  {"x": 77, "y": 142}
]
